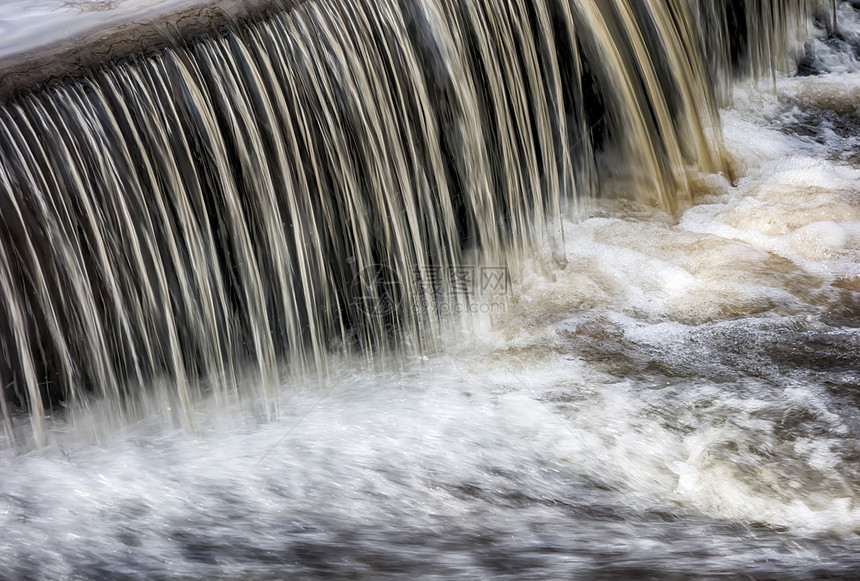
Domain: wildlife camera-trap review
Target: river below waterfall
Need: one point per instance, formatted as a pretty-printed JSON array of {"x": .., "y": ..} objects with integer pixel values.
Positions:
[{"x": 681, "y": 400}]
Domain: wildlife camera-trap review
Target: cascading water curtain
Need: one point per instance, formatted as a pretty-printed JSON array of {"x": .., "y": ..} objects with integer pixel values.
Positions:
[
  {"x": 228, "y": 202},
  {"x": 753, "y": 38}
]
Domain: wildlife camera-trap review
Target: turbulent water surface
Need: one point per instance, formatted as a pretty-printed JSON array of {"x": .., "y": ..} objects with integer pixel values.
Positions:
[{"x": 681, "y": 399}]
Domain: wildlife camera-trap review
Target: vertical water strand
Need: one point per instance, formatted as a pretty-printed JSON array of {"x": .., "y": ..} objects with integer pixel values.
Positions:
[
  {"x": 157, "y": 259},
  {"x": 17, "y": 329},
  {"x": 518, "y": 106},
  {"x": 179, "y": 264},
  {"x": 442, "y": 44},
  {"x": 16, "y": 326},
  {"x": 750, "y": 38},
  {"x": 651, "y": 99},
  {"x": 309, "y": 193},
  {"x": 324, "y": 83},
  {"x": 311, "y": 313},
  {"x": 773, "y": 31},
  {"x": 579, "y": 128},
  {"x": 106, "y": 173},
  {"x": 532, "y": 106},
  {"x": 262, "y": 251},
  {"x": 303, "y": 292},
  {"x": 341, "y": 202},
  {"x": 400, "y": 208},
  {"x": 164, "y": 190},
  {"x": 71, "y": 296},
  {"x": 492, "y": 62},
  {"x": 398, "y": 244},
  {"x": 199, "y": 179},
  {"x": 598, "y": 32},
  {"x": 405, "y": 120},
  {"x": 834, "y": 8},
  {"x": 418, "y": 126},
  {"x": 234, "y": 84},
  {"x": 73, "y": 154},
  {"x": 236, "y": 238},
  {"x": 683, "y": 77},
  {"x": 207, "y": 333},
  {"x": 317, "y": 135},
  {"x": 700, "y": 94},
  {"x": 93, "y": 274},
  {"x": 194, "y": 255},
  {"x": 559, "y": 184},
  {"x": 713, "y": 23},
  {"x": 44, "y": 285},
  {"x": 770, "y": 19},
  {"x": 771, "y": 54}
]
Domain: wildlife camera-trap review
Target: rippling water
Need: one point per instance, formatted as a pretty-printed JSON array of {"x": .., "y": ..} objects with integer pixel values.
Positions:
[{"x": 680, "y": 400}]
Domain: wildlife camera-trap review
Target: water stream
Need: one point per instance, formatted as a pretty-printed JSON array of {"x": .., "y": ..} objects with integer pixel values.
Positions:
[{"x": 277, "y": 306}]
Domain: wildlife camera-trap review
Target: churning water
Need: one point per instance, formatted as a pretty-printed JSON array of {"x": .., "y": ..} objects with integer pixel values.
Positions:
[{"x": 662, "y": 381}]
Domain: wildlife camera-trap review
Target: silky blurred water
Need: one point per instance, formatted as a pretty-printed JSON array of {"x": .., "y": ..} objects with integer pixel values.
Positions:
[{"x": 681, "y": 400}]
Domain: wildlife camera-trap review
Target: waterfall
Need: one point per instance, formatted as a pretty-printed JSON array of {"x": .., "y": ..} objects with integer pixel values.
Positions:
[{"x": 245, "y": 197}]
